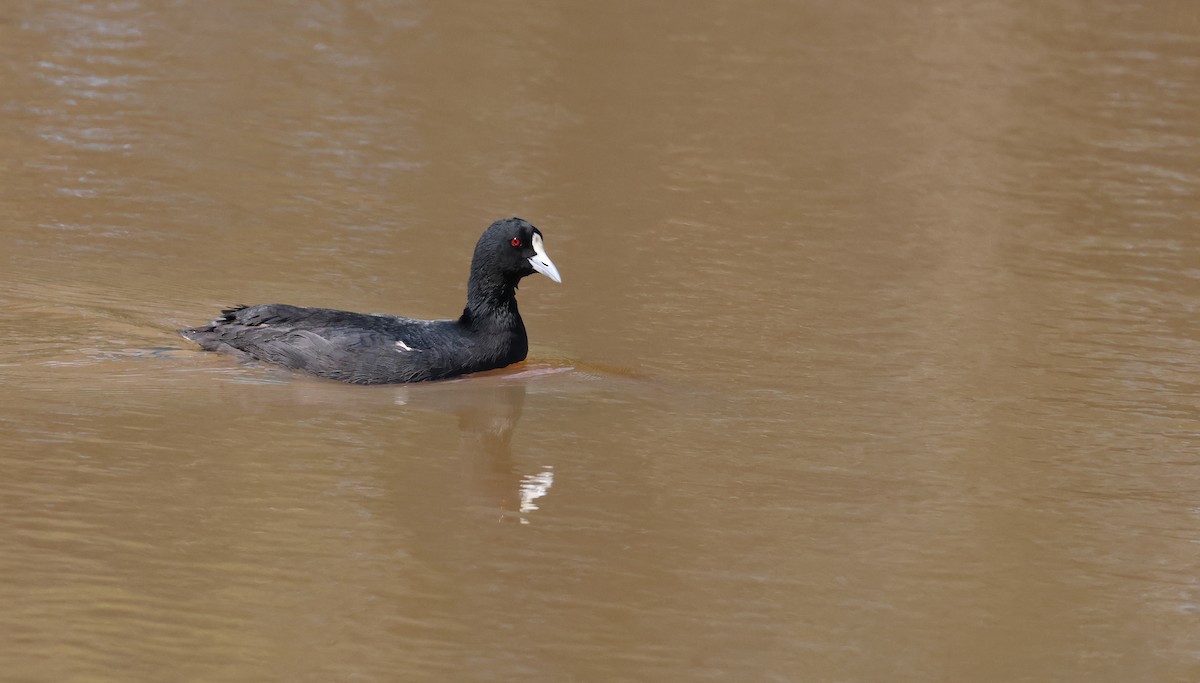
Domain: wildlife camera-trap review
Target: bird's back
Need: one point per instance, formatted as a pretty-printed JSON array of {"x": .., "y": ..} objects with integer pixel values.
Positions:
[{"x": 351, "y": 347}]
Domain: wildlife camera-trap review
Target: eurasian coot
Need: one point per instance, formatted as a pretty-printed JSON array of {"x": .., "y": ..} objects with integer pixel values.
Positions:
[{"x": 367, "y": 348}]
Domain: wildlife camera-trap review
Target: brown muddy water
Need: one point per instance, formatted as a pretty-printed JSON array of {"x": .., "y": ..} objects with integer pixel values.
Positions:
[{"x": 877, "y": 355}]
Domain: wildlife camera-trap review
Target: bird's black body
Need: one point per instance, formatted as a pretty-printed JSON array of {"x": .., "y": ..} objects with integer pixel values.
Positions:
[{"x": 364, "y": 348}]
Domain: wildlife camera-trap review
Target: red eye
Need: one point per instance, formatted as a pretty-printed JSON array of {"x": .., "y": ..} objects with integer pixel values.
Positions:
[{"x": 516, "y": 241}]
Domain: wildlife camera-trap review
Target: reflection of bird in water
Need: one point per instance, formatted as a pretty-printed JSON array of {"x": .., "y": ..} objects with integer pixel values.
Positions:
[
  {"x": 488, "y": 412},
  {"x": 488, "y": 407},
  {"x": 534, "y": 486}
]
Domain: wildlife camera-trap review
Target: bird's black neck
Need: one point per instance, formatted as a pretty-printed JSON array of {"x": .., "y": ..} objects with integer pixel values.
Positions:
[
  {"x": 491, "y": 314},
  {"x": 491, "y": 302}
]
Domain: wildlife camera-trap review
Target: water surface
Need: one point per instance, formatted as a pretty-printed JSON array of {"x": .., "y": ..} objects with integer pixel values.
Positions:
[{"x": 874, "y": 360}]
